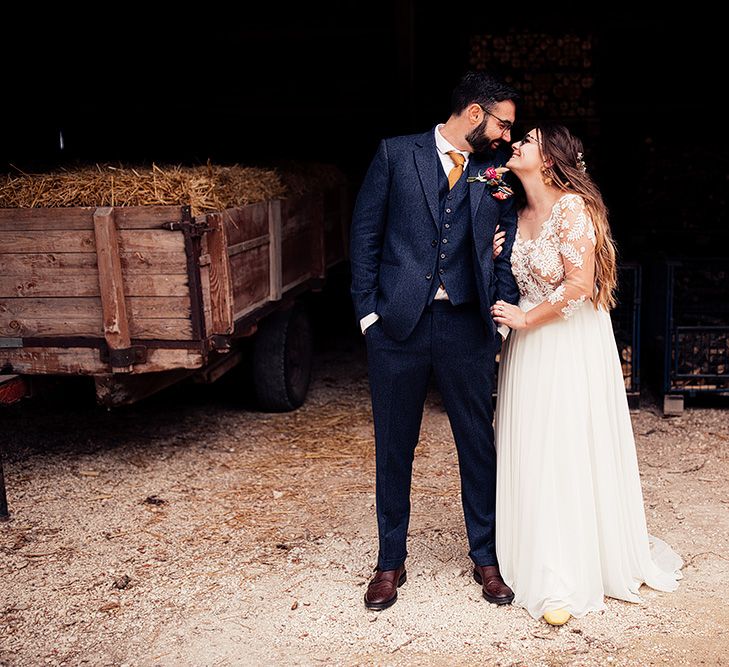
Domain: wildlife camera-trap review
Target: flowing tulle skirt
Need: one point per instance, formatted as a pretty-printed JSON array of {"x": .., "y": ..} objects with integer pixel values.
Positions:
[{"x": 570, "y": 522}]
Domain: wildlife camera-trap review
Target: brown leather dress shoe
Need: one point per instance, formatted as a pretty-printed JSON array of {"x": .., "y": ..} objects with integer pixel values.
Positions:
[
  {"x": 382, "y": 589},
  {"x": 494, "y": 588}
]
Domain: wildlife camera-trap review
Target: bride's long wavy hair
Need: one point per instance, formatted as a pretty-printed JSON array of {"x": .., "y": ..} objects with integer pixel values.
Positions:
[{"x": 568, "y": 173}]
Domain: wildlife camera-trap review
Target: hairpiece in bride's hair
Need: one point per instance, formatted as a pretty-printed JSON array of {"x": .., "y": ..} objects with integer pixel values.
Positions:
[{"x": 581, "y": 166}]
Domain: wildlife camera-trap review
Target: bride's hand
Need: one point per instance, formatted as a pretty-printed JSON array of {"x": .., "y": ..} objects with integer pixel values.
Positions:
[
  {"x": 512, "y": 316},
  {"x": 499, "y": 238}
]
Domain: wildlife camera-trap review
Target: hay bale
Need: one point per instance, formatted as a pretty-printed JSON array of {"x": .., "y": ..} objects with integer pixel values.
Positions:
[{"x": 203, "y": 188}]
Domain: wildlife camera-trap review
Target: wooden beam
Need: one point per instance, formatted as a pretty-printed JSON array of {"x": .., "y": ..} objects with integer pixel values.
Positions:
[
  {"x": 111, "y": 284},
  {"x": 87, "y": 361},
  {"x": 247, "y": 245},
  {"x": 274, "y": 250},
  {"x": 220, "y": 279}
]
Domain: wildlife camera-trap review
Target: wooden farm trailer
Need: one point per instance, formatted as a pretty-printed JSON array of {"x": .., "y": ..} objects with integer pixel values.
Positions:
[{"x": 138, "y": 298}]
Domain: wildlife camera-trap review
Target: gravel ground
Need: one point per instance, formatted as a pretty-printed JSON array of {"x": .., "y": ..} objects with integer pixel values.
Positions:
[{"x": 189, "y": 530}]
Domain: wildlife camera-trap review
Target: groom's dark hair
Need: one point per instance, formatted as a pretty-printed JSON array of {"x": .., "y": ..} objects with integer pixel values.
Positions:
[{"x": 481, "y": 88}]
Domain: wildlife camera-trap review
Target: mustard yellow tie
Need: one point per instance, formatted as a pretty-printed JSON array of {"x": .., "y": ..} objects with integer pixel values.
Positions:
[{"x": 457, "y": 171}]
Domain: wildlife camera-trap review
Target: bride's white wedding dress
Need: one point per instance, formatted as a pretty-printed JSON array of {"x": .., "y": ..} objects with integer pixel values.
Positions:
[{"x": 570, "y": 522}]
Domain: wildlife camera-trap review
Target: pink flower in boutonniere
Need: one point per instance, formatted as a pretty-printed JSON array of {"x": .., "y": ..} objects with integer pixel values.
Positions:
[{"x": 494, "y": 178}]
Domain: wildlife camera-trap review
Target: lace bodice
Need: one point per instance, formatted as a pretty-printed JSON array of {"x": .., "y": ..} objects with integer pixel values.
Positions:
[{"x": 558, "y": 266}]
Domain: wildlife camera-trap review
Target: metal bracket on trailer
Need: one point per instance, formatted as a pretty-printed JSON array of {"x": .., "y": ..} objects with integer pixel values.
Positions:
[
  {"x": 188, "y": 224},
  {"x": 220, "y": 342}
]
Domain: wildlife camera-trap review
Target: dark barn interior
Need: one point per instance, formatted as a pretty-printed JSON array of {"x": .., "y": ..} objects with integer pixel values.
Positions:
[
  {"x": 174, "y": 494},
  {"x": 326, "y": 84}
]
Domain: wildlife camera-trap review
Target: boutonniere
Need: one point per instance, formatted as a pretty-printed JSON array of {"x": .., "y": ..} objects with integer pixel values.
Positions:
[{"x": 494, "y": 178}]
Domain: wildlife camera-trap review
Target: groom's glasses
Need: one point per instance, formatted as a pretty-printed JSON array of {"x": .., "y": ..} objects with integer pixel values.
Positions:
[{"x": 504, "y": 125}]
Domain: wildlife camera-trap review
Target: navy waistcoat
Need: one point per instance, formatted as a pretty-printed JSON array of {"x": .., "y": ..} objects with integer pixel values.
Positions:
[{"x": 454, "y": 266}]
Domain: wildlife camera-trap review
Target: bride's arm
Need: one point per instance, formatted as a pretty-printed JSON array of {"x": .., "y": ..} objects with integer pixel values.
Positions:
[{"x": 577, "y": 250}]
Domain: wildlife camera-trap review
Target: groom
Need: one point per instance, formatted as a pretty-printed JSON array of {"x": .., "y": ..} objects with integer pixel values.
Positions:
[{"x": 423, "y": 280}]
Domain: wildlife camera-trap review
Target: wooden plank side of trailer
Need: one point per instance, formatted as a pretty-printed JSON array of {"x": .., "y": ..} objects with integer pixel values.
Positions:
[
  {"x": 153, "y": 329},
  {"x": 42, "y": 219},
  {"x": 69, "y": 307},
  {"x": 72, "y": 263},
  {"x": 81, "y": 218},
  {"x": 247, "y": 231},
  {"x": 88, "y": 361},
  {"x": 47, "y": 284},
  {"x": 65, "y": 270},
  {"x": 302, "y": 244},
  {"x": 244, "y": 260}
]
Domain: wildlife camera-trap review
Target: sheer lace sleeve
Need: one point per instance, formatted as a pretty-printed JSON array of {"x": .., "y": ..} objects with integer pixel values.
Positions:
[{"x": 576, "y": 238}]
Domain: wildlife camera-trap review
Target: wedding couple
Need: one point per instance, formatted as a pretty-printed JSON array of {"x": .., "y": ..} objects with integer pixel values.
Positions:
[{"x": 442, "y": 261}]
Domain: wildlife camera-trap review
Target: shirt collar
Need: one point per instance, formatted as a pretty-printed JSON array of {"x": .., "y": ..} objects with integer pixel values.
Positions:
[{"x": 443, "y": 145}]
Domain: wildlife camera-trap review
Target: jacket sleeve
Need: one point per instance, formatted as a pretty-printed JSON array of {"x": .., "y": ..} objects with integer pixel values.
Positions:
[
  {"x": 506, "y": 288},
  {"x": 577, "y": 249},
  {"x": 368, "y": 227}
]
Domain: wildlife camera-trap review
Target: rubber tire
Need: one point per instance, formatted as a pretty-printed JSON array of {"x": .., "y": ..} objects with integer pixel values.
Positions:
[{"x": 282, "y": 355}]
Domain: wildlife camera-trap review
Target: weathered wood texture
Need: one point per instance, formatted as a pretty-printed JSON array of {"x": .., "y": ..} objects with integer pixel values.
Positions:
[
  {"x": 87, "y": 361},
  {"x": 216, "y": 275},
  {"x": 40, "y": 284},
  {"x": 111, "y": 284},
  {"x": 95, "y": 273},
  {"x": 302, "y": 254},
  {"x": 83, "y": 272},
  {"x": 82, "y": 217},
  {"x": 247, "y": 234}
]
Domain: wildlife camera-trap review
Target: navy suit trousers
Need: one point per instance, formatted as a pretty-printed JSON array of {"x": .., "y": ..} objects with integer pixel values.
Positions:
[{"x": 454, "y": 344}]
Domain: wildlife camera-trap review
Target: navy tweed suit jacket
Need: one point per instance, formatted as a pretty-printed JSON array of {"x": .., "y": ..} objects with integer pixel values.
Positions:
[{"x": 394, "y": 219}]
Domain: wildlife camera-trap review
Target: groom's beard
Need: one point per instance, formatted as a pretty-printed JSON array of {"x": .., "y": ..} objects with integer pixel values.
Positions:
[{"x": 478, "y": 140}]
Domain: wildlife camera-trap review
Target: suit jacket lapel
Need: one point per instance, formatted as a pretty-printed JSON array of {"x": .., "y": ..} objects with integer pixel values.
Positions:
[
  {"x": 475, "y": 189},
  {"x": 428, "y": 162}
]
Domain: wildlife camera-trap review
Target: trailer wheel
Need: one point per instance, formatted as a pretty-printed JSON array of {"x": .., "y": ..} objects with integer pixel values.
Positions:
[{"x": 282, "y": 360}]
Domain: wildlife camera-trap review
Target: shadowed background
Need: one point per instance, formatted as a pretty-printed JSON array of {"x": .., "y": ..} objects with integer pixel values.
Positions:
[{"x": 326, "y": 84}]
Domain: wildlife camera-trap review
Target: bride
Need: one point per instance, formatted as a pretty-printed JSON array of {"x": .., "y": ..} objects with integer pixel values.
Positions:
[{"x": 570, "y": 524}]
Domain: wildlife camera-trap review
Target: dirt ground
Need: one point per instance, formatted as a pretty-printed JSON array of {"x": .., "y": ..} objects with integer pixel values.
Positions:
[{"x": 187, "y": 530}]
